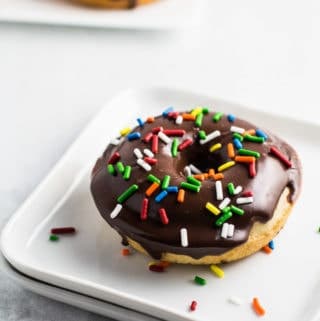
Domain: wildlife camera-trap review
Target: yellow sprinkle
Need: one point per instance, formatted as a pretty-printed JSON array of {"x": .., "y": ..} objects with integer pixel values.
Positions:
[
  {"x": 125, "y": 131},
  {"x": 214, "y": 210},
  {"x": 215, "y": 147},
  {"x": 225, "y": 166},
  {"x": 196, "y": 111},
  {"x": 217, "y": 270}
]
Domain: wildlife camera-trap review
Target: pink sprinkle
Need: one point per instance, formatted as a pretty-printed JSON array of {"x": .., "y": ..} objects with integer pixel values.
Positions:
[
  {"x": 150, "y": 161},
  {"x": 63, "y": 230},
  {"x": 144, "y": 209},
  {"x": 114, "y": 158},
  {"x": 174, "y": 132},
  {"x": 147, "y": 137},
  {"x": 193, "y": 305},
  {"x": 247, "y": 194},
  {"x": 163, "y": 216},
  {"x": 187, "y": 142},
  {"x": 282, "y": 157},
  {"x": 156, "y": 130}
]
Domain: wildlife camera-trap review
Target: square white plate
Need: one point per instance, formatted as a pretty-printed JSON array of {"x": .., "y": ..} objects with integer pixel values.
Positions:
[
  {"x": 164, "y": 14},
  {"x": 287, "y": 281}
]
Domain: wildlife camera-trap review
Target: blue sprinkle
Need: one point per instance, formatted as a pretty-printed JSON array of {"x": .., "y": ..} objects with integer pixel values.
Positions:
[
  {"x": 140, "y": 122},
  {"x": 161, "y": 196},
  {"x": 133, "y": 136},
  {"x": 231, "y": 118},
  {"x": 271, "y": 245},
  {"x": 172, "y": 189},
  {"x": 261, "y": 133},
  {"x": 237, "y": 144},
  {"x": 167, "y": 111}
]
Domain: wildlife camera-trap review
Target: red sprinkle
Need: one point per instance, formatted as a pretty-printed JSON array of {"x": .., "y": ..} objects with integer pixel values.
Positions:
[
  {"x": 144, "y": 209},
  {"x": 63, "y": 230},
  {"x": 174, "y": 132},
  {"x": 150, "y": 160},
  {"x": 125, "y": 252},
  {"x": 147, "y": 137},
  {"x": 163, "y": 216},
  {"x": 156, "y": 268},
  {"x": 193, "y": 305},
  {"x": 187, "y": 142},
  {"x": 247, "y": 194},
  {"x": 173, "y": 114},
  {"x": 252, "y": 169},
  {"x": 114, "y": 158},
  {"x": 155, "y": 143},
  {"x": 156, "y": 130},
  {"x": 282, "y": 157}
]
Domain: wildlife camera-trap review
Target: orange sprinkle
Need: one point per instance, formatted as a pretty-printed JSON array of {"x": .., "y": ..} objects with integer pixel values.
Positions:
[
  {"x": 231, "y": 153},
  {"x": 206, "y": 175},
  {"x": 249, "y": 132},
  {"x": 267, "y": 249},
  {"x": 180, "y": 197},
  {"x": 152, "y": 189},
  {"x": 150, "y": 120},
  {"x": 125, "y": 252},
  {"x": 245, "y": 159},
  {"x": 218, "y": 176},
  {"x": 188, "y": 117},
  {"x": 211, "y": 173},
  {"x": 199, "y": 177},
  {"x": 258, "y": 309}
]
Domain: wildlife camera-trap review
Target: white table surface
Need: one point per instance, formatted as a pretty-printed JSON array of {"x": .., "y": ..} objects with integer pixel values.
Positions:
[{"x": 265, "y": 54}]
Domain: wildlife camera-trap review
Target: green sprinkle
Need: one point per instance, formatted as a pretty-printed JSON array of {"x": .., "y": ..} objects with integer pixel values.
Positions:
[
  {"x": 199, "y": 280},
  {"x": 193, "y": 181},
  {"x": 174, "y": 147},
  {"x": 248, "y": 152},
  {"x": 111, "y": 169},
  {"x": 237, "y": 135},
  {"x": 236, "y": 210},
  {"x": 230, "y": 187},
  {"x": 223, "y": 218},
  {"x": 54, "y": 238},
  {"x": 127, "y": 193},
  {"x": 165, "y": 182},
  {"x": 199, "y": 119},
  {"x": 217, "y": 117},
  {"x": 202, "y": 134},
  {"x": 120, "y": 167},
  {"x": 254, "y": 139},
  {"x": 226, "y": 210},
  {"x": 205, "y": 110},
  {"x": 153, "y": 179},
  {"x": 127, "y": 172},
  {"x": 190, "y": 187}
]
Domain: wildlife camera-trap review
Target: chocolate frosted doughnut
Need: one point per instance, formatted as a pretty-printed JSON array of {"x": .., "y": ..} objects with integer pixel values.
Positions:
[{"x": 196, "y": 187}]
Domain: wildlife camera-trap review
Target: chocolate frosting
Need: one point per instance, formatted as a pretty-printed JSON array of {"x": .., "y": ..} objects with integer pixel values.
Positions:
[{"x": 203, "y": 235}]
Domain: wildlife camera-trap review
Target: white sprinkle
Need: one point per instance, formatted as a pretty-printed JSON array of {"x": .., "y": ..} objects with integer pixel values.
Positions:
[
  {"x": 187, "y": 171},
  {"x": 244, "y": 200},
  {"x": 144, "y": 165},
  {"x": 238, "y": 190},
  {"x": 184, "y": 237},
  {"x": 219, "y": 191},
  {"x": 236, "y": 129},
  {"x": 164, "y": 138},
  {"x": 138, "y": 153},
  {"x": 179, "y": 120},
  {"x": 224, "y": 203},
  {"x": 116, "y": 211},
  {"x": 148, "y": 152},
  {"x": 194, "y": 169},
  {"x": 235, "y": 300},
  {"x": 210, "y": 137},
  {"x": 116, "y": 141},
  {"x": 230, "y": 230},
  {"x": 224, "y": 230}
]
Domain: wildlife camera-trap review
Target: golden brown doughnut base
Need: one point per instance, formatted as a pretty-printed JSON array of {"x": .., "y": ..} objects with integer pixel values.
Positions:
[
  {"x": 109, "y": 4},
  {"x": 260, "y": 235}
]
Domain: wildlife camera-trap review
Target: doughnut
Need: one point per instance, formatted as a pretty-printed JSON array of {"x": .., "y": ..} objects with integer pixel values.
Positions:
[
  {"x": 113, "y": 4},
  {"x": 196, "y": 187}
]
